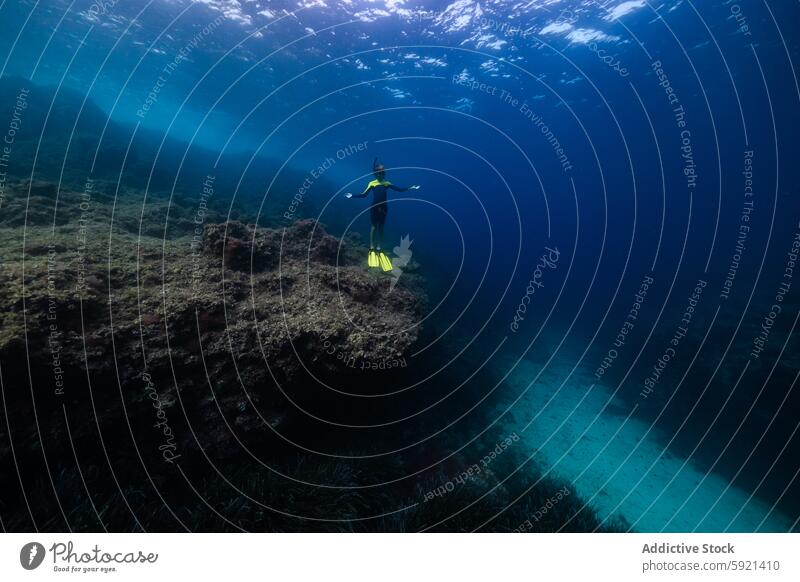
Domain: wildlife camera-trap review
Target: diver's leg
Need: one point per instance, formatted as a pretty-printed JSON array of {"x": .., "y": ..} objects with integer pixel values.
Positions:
[
  {"x": 383, "y": 260},
  {"x": 372, "y": 230},
  {"x": 381, "y": 222}
]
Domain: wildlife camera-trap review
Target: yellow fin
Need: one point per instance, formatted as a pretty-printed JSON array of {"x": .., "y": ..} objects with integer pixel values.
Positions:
[
  {"x": 386, "y": 263},
  {"x": 372, "y": 259}
]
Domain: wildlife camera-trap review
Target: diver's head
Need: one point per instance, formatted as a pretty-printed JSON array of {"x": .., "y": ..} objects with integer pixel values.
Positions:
[{"x": 378, "y": 170}]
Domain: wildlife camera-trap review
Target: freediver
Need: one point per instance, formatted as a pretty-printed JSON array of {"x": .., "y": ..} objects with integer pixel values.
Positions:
[{"x": 379, "y": 187}]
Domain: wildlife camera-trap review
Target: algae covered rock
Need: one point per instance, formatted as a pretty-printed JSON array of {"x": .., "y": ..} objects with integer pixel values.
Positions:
[{"x": 224, "y": 326}]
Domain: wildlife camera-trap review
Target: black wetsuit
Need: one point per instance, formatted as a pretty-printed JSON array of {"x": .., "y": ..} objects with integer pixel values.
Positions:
[{"x": 380, "y": 206}]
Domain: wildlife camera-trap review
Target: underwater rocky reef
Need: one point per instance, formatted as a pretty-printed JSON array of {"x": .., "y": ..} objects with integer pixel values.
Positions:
[{"x": 159, "y": 357}]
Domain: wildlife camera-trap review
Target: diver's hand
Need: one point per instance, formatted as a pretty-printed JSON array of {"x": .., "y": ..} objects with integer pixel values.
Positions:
[
  {"x": 413, "y": 187},
  {"x": 348, "y": 195}
]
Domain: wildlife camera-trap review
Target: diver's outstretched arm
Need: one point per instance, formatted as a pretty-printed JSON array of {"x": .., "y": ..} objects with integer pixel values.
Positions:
[
  {"x": 362, "y": 195},
  {"x": 399, "y": 189}
]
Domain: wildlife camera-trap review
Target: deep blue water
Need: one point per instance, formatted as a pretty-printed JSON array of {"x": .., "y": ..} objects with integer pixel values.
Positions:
[{"x": 615, "y": 133}]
